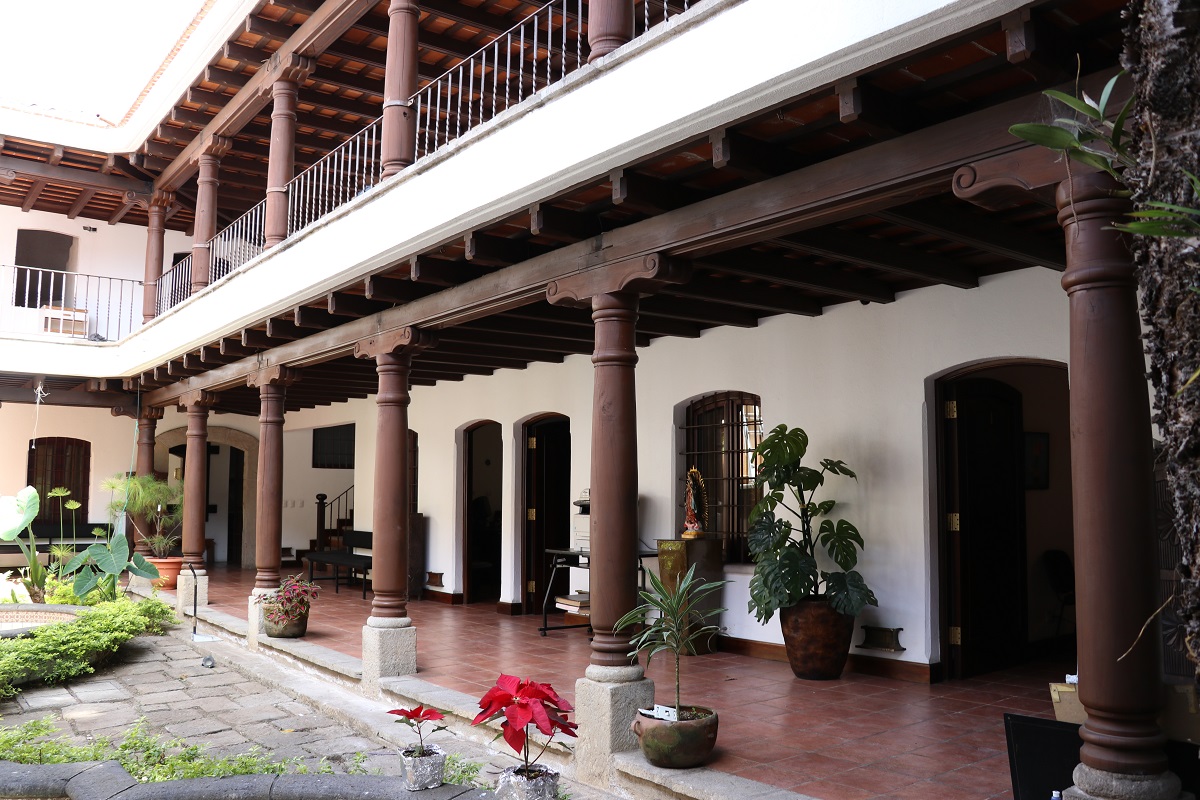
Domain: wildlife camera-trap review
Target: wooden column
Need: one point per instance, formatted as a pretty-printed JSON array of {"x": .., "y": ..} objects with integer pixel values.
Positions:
[
  {"x": 281, "y": 160},
  {"x": 610, "y": 25},
  {"x": 1111, "y": 476},
  {"x": 147, "y": 423},
  {"x": 272, "y": 384},
  {"x": 612, "y": 291},
  {"x": 195, "y": 477},
  {"x": 399, "y": 84},
  {"x": 160, "y": 201},
  {"x": 206, "y": 210},
  {"x": 393, "y": 354}
]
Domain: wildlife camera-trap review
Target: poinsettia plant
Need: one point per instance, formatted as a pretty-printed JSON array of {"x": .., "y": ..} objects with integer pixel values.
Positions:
[
  {"x": 415, "y": 718},
  {"x": 521, "y": 703}
]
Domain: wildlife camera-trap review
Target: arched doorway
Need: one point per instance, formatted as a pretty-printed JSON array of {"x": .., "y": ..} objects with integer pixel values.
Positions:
[
  {"x": 1004, "y": 499},
  {"x": 547, "y": 506},
  {"x": 236, "y": 481},
  {"x": 483, "y": 482}
]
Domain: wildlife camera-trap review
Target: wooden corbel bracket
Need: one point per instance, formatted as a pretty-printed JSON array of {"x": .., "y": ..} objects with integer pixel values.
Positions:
[
  {"x": 197, "y": 397},
  {"x": 408, "y": 340},
  {"x": 644, "y": 275},
  {"x": 277, "y": 375}
]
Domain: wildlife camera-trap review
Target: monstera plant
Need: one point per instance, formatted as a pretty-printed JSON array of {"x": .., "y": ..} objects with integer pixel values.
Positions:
[{"x": 804, "y": 559}]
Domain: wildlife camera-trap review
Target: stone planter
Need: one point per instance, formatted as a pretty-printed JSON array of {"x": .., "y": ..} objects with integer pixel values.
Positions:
[
  {"x": 817, "y": 639},
  {"x": 677, "y": 745},
  {"x": 288, "y": 630},
  {"x": 515, "y": 785},
  {"x": 168, "y": 570},
  {"x": 426, "y": 771}
]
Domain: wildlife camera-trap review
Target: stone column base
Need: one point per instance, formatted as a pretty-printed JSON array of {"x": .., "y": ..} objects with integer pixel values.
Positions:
[
  {"x": 254, "y": 617},
  {"x": 606, "y": 702},
  {"x": 1098, "y": 784},
  {"x": 389, "y": 648},
  {"x": 183, "y": 592}
]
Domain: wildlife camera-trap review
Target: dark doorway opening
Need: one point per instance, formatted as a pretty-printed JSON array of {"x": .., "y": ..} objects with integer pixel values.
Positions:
[
  {"x": 548, "y": 506},
  {"x": 1006, "y": 526},
  {"x": 237, "y": 473},
  {"x": 484, "y": 486},
  {"x": 41, "y": 250}
]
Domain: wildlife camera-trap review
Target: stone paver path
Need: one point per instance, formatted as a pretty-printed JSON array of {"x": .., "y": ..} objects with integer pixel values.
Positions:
[{"x": 164, "y": 680}]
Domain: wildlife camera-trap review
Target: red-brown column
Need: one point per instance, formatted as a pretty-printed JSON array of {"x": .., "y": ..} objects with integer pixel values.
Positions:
[
  {"x": 281, "y": 160},
  {"x": 1111, "y": 488},
  {"x": 147, "y": 423},
  {"x": 155, "y": 232},
  {"x": 399, "y": 84},
  {"x": 610, "y": 25},
  {"x": 206, "y": 211},
  {"x": 195, "y": 478},
  {"x": 614, "y": 475},
  {"x": 268, "y": 525}
]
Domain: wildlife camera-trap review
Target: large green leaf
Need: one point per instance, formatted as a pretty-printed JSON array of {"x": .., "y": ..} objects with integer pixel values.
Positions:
[
  {"x": 768, "y": 534},
  {"x": 1050, "y": 136},
  {"x": 17, "y": 512},
  {"x": 847, "y": 592},
  {"x": 1082, "y": 106},
  {"x": 85, "y": 581},
  {"x": 113, "y": 559},
  {"x": 842, "y": 541},
  {"x": 142, "y": 568},
  {"x": 781, "y": 579}
]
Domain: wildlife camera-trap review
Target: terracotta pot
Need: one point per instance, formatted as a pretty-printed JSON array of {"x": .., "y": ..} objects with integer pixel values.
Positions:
[
  {"x": 514, "y": 784},
  {"x": 677, "y": 745},
  {"x": 817, "y": 639},
  {"x": 168, "y": 570},
  {"x": 287, "y": 630}
]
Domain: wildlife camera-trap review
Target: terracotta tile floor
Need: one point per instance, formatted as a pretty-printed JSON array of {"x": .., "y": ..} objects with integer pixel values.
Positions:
[{"x": 857, "y": 738}]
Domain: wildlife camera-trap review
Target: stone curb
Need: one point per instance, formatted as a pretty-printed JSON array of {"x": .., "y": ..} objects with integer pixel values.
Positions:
[
  {"x": 104, "y": 780},
  {"x": 700, "y": 783}
]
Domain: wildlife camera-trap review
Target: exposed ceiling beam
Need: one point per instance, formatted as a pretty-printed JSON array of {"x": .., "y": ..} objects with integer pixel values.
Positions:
[
  {"x": 741, "y": 295},
  {"x": 878, "y": 254},
  {"x": 14, "y": 394},
  {"x": 799, "y": 274},
  {"x": 74, "y": 177}
]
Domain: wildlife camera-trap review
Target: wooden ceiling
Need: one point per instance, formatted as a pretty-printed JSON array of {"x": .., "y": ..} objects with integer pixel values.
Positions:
[{"x": 928, "y": 237}]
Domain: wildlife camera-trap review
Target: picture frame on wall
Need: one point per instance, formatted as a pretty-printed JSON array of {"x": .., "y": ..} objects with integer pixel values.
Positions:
[{"x": 1037, "y": 460}]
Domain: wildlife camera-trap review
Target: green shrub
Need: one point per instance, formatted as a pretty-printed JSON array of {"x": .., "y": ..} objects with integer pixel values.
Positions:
[{"x": 64, "y": 650}]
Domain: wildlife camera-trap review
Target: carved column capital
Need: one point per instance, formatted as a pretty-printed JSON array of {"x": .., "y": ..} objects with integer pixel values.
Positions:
[
  {"x": 197, "y": 398},
  {"x": 162, "y": 198},
  {"x": 277, "y": 375},
  {"x": 292, "y": 67},
  {"x": 646, "y": 274},
  {"x": 216, "y": 146},
  {"x": 409, "y": 340}
]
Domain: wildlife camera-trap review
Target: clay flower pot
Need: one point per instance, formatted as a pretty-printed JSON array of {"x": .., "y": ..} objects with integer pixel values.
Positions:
[
  {"x": 168, "y": 571},
  {"x": 817, "y": 639},
  {"x": 677, "y": 745},
  {"x": 514, "y": 784},
  {"x": 425, "y": 771}
]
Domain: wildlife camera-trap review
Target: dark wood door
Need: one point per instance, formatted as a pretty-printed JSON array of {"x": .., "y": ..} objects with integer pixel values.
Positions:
[
  {"x": 483, "y": 514},
  {"x": 548, "y": 507},
  {"x": 237, "y": 471},
  {"x": 985, "y": 492}
]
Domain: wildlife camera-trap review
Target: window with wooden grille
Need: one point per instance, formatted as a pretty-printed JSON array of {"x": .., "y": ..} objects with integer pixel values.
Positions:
[
  {"x": 59, "y": 461},
  {"x": 720, "y": 434},
  {"x": 333, "y": 447}
]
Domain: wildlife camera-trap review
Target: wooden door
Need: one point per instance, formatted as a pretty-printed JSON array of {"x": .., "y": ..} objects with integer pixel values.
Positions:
[
  {"x": 548, "y": 507},
  {"x": 237, "y": 471},
  {"x": 484, "y": 478},
  {"x": 984, "y": 529}
]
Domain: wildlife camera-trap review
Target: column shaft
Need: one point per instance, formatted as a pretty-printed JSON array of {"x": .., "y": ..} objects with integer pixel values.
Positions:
[
  {"x": 206, "y": 220},
  {"x": 610, "y": 25},
  {"x": 1111, "y": 474},
  {"x": 155, "y": 233},
  {"x": 614, "y": 475},
  {"x": 145, "y": 466},
  {"x": 399, "y": 84},
  {"x": 281, "y": 159},
  {"x": 268, "y": 524},
  {"x": 195, "y": 487},
  {"x": 389, "y": 564}
]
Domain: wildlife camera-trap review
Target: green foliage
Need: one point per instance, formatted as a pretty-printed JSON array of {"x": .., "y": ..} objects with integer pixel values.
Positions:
[
  {"x": 60, "y": 651},
  {"x": 786, "y": 569},
  {"x": 671, "y": 620},
  {"x": 290, "y": 601},
  {"x": 462, "y": 772},
  {"x": 146, "y": 499},
  {"x": 16, "y": 515},
  {"x": 99, "y": 566}
]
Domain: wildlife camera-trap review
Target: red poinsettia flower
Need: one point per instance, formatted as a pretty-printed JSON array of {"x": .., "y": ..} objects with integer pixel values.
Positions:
[
  {"x": 521, "y": 703},
  {"x": 418, "y": 714}
]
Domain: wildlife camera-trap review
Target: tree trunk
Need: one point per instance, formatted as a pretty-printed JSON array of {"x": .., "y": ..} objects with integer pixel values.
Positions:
[{"x": 1164, "y": 62}]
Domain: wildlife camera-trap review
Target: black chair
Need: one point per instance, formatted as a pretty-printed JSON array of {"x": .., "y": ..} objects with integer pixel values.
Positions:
[{"x": 1061, "y": 572}]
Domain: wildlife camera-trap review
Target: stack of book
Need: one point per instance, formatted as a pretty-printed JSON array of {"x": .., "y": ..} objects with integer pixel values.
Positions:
[{"x": 579, "y": 603}]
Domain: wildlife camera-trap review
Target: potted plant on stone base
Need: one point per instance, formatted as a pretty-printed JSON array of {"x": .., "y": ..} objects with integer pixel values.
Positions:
[
  {"x": 522, "y": 703},
  {"x": 154, "y": 508},
  {"x": 817, "y": 607},
  {"x": 285, "y": 610},
  {"x": 679, "y": 736},
  {"x": 424, "y": 764},
  {"x": 161, "y": 546}
]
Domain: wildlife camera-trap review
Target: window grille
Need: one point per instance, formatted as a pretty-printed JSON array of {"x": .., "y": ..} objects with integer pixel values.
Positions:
[
  {"x": 60, "y": 461},
  {"x": 720, "y": 434},
  {"x": 333, "y": 448}
]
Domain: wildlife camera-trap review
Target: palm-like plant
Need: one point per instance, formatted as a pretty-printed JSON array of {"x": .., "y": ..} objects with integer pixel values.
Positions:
[
  {"x": 145, "y": 497},
  {"x": 672, "y": 621}
]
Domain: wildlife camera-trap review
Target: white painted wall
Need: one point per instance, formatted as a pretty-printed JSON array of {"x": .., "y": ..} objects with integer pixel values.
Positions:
[{"x": 302, "y": 484}]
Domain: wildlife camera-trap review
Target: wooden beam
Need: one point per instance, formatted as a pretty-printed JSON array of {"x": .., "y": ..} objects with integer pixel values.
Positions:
[
  {"x": 438, "y": 272},
  {"x": 31, "y": 196},
  {"x": 696, "y": 311},
  {"x": 800, "y": 274},
  {"x": 308, "y": 317},
  {"x": 319, "y": 31},
  {"x": 741, "y": 295},
  {"x": 877, "y": 254},
  {"x": 14, "y": 394},
  {"x": 85, "y": 197},
  {"x": 283, "y": 329},
  {"x": 353, "y": 305},
  {"x": 71, "y": 176}
]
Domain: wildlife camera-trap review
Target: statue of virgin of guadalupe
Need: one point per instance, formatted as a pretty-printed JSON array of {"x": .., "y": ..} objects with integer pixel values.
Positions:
[{"x": 695, "y": 505}]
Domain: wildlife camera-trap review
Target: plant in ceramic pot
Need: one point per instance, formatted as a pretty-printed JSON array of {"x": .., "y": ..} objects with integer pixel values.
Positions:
[
  {"x": 424, "y": 764},
  {"x": 161, "y": 546},
  {"x": 677, "y": 737},
  {"x": 521, "y": 703},
  {"x": 154, "y": 508},
  {"x": 817, "y": 606},
  {"x": 285, "y": 610}
]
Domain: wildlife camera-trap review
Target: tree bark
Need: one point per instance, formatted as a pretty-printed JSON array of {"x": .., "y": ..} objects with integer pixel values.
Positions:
[{"x": 1164, "y": 62}]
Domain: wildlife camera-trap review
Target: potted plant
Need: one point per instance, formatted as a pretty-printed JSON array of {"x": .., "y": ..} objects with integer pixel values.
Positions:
[
  {"x": 424, "y": 764},
  {"x": 522, "y": 703},
  {"x": 817, "y": 606},
  {"x": 154, "y": 508},
  {"x": 285, "y": 610},
  {"x": 679, "y": 736}
]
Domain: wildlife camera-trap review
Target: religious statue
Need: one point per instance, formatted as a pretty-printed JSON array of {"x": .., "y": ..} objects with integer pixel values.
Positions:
[{"x": 695, "y": 505}]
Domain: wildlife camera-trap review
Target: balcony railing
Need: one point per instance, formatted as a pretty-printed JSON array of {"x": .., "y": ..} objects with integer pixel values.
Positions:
[
  {"x": 58, "y": 303},
  {"x": 540, "y": 50}
]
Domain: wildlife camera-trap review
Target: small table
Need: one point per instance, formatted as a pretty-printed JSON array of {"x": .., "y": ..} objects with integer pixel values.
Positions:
[{"x": 580, "y": 559}]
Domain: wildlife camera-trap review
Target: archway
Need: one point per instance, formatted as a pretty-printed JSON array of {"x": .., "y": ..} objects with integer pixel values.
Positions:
[
  {"x": 483, "y": 482},
  {"x": 242, "y": 441},
  {"x": 547, "y": 482},
  {"x": 1003, "y": 484}
]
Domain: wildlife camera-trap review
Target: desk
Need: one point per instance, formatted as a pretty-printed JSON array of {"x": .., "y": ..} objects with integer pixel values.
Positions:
[{"x": 580, "y": 559}]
